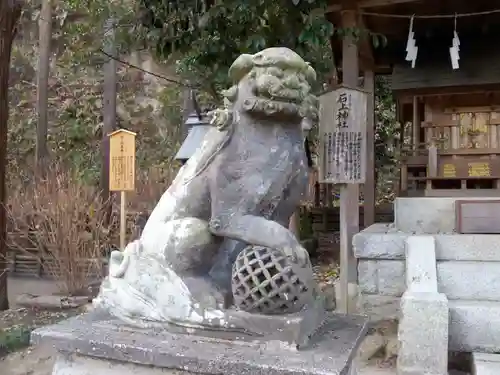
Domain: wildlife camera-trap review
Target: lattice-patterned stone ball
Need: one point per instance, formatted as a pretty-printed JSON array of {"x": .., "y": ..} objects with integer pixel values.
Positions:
[{"x": 264, "y": 281}]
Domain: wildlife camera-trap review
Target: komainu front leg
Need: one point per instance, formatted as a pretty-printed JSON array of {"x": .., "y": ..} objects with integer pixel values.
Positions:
[{"x": 256, "y": 230}]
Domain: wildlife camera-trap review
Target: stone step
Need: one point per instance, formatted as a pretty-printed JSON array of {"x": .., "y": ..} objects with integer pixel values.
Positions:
[
  {"x": 382, "y": 241},
  {"x": 485, "y": 364}
]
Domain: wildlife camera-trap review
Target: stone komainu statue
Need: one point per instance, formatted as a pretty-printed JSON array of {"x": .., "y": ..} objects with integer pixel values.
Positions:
[{"x": 220, "y": 230}]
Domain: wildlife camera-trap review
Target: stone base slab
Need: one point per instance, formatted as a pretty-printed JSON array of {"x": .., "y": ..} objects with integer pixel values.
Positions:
[
  {"x": 77, "y": 365},
  {"x": 383, "y": 241},
  {"x": 427, "y": 215},
  {"x": 99, "y": 342}
]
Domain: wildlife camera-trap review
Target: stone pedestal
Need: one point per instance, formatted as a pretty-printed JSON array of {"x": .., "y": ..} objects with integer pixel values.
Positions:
[{"x": 97, "y": 344}]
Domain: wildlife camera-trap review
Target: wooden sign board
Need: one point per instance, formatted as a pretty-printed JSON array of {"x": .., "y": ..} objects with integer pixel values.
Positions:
[
  {"x": 342, "y": 136},
  {"x": 122, "y": 160},
  {"x": 477, "y": 216}
]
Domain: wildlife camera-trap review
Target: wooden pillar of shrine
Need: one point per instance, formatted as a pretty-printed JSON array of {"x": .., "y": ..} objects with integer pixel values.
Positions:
[
  {"x": 349, "y": 196},
  {"x": 370, "y": 183}
]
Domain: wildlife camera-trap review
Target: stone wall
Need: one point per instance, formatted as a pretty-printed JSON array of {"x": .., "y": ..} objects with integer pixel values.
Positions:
[{"x": 468, "y": 271}]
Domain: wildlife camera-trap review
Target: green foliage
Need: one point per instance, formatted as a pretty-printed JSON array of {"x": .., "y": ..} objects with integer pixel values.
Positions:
[
  {"x": 76, "y": 101},
  {"x": 206, "y": 41},
  {"x": 14, "y": 338}
]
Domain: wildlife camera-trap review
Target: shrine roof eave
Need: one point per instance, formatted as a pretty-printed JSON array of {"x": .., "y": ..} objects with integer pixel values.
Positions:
[{"x": 395, "y": 29}]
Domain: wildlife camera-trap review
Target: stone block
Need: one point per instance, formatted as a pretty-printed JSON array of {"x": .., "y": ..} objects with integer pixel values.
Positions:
[
  {"x": 426, "y": 215},
  {"x": 485, "y": 364},
  {"x": 421, "y": 264},
  {"x": 380, "y": 242},
  {"x": 474, "y": 326},
  {"x": 469, "y": 280},
  {"x": 97, "y": 344},
  {"x": 383, "y": 277},
  {"x": 468, "y": 247},
  {"x": 423, "y": 334},
  {"x": 377, "y": 307}
]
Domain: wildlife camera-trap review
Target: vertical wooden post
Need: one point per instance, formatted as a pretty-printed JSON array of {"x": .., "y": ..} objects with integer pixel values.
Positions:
[
  {"x": 415, "y": 126},
  {"x": 45, "y": 36},
  {"x": 370, "y": 183},
  {"x": 401, "y": 146},
  {"x": 109, "y": 108},
  {"x": 349, "y": 194},
  {"x": 432, "y": 161},
  {"x": 123, "y": 219}
]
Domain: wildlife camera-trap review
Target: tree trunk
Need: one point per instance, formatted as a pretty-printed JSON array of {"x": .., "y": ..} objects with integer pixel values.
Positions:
[
  {"x": 45, "y": 38},
  {"x": 109, "y": 114},
  {"x": 10, "y": 12}
]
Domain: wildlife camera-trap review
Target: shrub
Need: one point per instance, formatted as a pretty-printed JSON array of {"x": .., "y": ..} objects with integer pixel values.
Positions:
[{"x": 64, "y": 222}]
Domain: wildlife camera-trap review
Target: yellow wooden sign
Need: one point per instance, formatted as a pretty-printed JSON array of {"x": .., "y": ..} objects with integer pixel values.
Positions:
[
  {"x": 449, "y": 170},
  {"x": 122, "y": 160},
  {"x": 479, "y": 170}
]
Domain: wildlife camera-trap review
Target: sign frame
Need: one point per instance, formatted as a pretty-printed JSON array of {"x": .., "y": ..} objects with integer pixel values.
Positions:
[
  {"x": 122, "y": 160},
  {"x": 342, "y": 123}
]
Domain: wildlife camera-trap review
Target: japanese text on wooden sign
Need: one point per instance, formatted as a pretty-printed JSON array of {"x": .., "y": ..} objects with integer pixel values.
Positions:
[
  {"x": 122, "y": 160},
  {"x": 342, "y": 128}
]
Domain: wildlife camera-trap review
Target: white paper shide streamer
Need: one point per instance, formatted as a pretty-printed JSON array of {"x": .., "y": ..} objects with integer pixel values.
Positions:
[
  {"x": 411, "y": 47},
  {"x": 455, "y": 48}
]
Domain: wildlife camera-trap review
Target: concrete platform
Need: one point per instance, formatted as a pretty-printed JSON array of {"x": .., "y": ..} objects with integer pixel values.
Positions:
[{"x": 97, "y": 344}]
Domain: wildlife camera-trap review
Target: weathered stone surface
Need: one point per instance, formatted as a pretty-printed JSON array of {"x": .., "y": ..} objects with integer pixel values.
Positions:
[
  {"x": 232, "y": 197},
  {"x": 377, "y": 307},
  {"x": 475, "y": 326},
  {"x": 423, "y": 334},
  {"x": 380, "y": 242},
  {"x": 458, "y": 280},
  {"x": 470, "y": 280},
  {"x": 51, "y": 301},
  {"x": 215, "y": 352},
  {"x": 79, "y": 365},
  {"x": 421, "y": 264},
  {"x": 392, "y": 347},
  {"x": 426, "y": 214},
  {"x": 468, "y": 247},
  {"x": 485, "y": 364},
  {"x": 383, "y": 277},
  {"x": 371, "y": 345}
]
